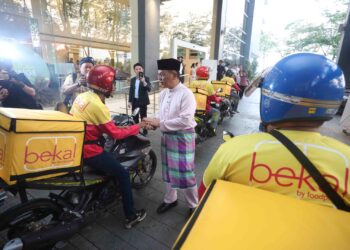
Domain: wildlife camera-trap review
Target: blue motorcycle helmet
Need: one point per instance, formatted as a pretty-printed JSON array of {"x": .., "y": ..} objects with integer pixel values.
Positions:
[{"x": 300, "y": 87}]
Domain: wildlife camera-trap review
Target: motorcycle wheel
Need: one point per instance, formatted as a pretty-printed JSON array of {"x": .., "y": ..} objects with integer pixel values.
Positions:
[
  {"x": 144, "y": 171},
  {"x": 31, "y": 216}
]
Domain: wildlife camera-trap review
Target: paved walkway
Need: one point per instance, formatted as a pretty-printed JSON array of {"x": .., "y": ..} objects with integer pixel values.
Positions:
[{"x": 160, "y": 231}]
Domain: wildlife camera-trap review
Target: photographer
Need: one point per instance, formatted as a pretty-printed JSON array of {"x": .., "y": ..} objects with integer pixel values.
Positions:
[
  {"x": 75, "y": 84},
  {"x": 138, "y": 93},
  {"x": 16, "y": 91}
]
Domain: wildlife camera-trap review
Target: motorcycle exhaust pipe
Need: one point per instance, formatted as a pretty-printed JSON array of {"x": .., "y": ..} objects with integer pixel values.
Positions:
[{"x": 46, "y": 238}]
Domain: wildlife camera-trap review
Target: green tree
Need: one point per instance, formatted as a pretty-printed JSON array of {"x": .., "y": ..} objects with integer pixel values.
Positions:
[
  {"x": 195, "y": 29},
  {"x": 267, "y": 44},
  {"x": 323, "y": 37},
  {"x": 232, "y": 44},
  {"x": 102, "y": 19}
]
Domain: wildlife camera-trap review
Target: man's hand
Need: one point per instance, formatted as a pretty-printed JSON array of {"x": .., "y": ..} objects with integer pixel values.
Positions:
[
  {"x": 142, "y": 124},
  {"x": 143, "y": 80},
  {"x": 3, "y": 93},
  {"x": 154, "y": 122},
  {"x": 149, "y": 127},
  {"x": 129, "y": 105}
]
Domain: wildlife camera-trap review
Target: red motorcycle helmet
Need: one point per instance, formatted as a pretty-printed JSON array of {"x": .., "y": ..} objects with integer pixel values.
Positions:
[
  {"x": 101, "y": 78},
  {"x": 202, "y": 73}
]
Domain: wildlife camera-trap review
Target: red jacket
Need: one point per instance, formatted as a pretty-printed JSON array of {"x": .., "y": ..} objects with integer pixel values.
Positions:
[
  {"x": 89, "y": 107},
  {"x": 212, "y": 98}
]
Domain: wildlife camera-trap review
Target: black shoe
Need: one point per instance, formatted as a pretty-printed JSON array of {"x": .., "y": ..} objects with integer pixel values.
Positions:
[
  {"x": 138, "y": 217},
  {"x": 212, "y": 132},
  {"x": 165, "y": 207}
]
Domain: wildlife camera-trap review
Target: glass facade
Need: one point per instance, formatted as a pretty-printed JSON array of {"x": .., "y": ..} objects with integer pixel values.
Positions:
[
  {"x": 62, "y": 31},
  {"x": 235, "y": 16},
  {"x": 190, "y": 22}
]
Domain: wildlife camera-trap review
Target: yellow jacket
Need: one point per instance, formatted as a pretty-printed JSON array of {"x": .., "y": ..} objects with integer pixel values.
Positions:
[{"x": 203, "y": 84}]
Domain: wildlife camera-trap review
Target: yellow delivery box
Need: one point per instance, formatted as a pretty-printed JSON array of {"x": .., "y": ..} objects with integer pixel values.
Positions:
[
  {"x": 234, "y": 216},
  {"x": 226, "y": 88},
  {"x": 38, "y": 144},
  {"x": 201, "y": 96}
]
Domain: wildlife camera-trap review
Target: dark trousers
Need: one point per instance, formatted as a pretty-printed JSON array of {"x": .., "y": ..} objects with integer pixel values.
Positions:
[
  {"x": 241, "y": 92},
  {"x": 143, "y": 110},
  {"x": 234, "y": 100},
  {"x": 107, "y": 163}
]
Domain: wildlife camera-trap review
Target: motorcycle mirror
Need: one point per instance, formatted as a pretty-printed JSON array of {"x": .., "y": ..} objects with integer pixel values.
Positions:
[
  {"x": 256, "y": 83},
  {"x": 226, "y": 135},
  {"x": 136, "y": 112}
]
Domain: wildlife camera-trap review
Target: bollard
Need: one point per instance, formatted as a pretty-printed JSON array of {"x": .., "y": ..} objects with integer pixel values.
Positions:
[{"x": 126, "y": 103}]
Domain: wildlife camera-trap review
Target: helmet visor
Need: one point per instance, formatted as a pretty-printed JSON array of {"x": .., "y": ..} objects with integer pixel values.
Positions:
[{"x": 256, "y": 83}]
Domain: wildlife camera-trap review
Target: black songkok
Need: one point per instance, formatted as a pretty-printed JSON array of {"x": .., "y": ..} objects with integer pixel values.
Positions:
[
  {"x": 168, "y": 64},
  {"x": 87, "y": 59}
]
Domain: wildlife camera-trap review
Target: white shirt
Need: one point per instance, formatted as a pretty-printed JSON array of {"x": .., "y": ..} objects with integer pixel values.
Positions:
[
  {"x": 177, "y": 108},
  {"x": 137, "y": 86},
  {"x": 181, "y": 68}
]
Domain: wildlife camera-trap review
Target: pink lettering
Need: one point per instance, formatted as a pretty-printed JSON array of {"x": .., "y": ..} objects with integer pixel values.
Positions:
[{"x": 287, "y": 177}]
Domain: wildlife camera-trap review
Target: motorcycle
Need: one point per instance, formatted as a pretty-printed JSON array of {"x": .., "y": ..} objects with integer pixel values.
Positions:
[
  {"x": 234, "y": 100},
  {"x": 42, "y": 222},
  {"x": 3, "y": 196},
  {"x": 225, "y": 109},
  {"x": 203, "y": 129}
]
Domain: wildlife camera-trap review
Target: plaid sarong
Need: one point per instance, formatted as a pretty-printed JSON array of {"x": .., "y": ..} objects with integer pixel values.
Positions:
[{"x": 178, "y": 158}]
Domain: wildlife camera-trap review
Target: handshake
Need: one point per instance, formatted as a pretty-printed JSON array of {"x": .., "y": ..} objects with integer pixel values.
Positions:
[{"x": 149, "y": 123}]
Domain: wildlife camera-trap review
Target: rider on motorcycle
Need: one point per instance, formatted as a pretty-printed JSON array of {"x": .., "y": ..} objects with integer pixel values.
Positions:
[
  {"x": 202, "y": 82},
  {"x": 234, "y": 89},
  {"x": 90, "y": 107},
  {"x": 298, "y": 95}
]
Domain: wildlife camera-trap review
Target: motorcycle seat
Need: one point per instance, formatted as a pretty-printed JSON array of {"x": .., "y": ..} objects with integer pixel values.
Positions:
[{"x": 91, "y": 170}]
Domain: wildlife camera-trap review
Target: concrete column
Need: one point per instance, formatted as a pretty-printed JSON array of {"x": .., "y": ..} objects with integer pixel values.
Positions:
[
  {"x": 218, "y": 29},
  {"x": 145, "y": 15}
]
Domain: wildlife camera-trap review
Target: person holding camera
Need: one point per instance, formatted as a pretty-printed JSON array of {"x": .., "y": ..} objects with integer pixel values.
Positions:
[
  {"x": 16, "y": 91},
  {"x": 75, "y": 84},
  {"x": 138, "y": 92}
]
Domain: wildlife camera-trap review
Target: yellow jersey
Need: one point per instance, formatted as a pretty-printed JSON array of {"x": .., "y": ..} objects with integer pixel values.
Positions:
[
  {"x": 229, "y": 80},
  {"x": 203, "y": 84},
  {"x": 259, "y": 160},
  {"x": 89, "y": 107}
]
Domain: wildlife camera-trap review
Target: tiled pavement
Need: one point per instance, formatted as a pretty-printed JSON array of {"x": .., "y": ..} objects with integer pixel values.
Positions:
[{"x": 160, "y": 231}]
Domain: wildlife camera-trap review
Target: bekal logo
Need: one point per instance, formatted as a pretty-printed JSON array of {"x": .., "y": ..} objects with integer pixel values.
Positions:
[
  {"x": 48, "y": 152},
  {"x": 298, "y": 178}
]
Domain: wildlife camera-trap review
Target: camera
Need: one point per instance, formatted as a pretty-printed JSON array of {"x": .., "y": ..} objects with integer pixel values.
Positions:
[{"x": 141, "y": 74}]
